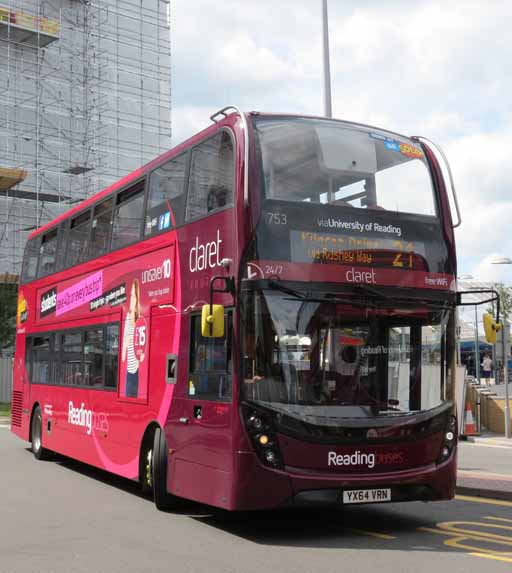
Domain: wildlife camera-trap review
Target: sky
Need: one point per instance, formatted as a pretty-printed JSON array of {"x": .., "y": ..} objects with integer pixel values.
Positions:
[{"x": 419, "y": 67}]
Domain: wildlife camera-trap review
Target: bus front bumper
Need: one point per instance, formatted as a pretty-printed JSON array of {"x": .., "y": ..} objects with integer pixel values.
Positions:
[{"x": 259, "y": 487}]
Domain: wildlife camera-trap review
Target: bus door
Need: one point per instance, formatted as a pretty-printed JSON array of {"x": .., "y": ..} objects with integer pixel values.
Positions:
[{"x": 201, "y": 422}]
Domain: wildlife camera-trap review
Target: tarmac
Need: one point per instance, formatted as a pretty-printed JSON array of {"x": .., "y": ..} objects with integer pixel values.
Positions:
[{"x": 479, "y": 474}]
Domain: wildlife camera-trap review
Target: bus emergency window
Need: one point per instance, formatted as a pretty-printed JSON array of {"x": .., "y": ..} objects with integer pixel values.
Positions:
[
  {"x": 166, "y": 196},
  {"x": 78, "y": 240},
  {"x": 47, "y": 254},
  {"x": 211, "y": 177},
  {"x": 128, "y": 216},
  {"x": 111, "y": 355},
  {"x": 100, "y": 232},
  {"x": 210, "y": 362},
  {"x": 30, "y": 260},
  {"x": 93, "y": 357},
  {"x": 40, "y": 357}
]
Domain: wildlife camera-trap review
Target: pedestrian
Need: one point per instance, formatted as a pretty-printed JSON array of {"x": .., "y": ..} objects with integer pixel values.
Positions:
[{"x": 487, "y": 368}]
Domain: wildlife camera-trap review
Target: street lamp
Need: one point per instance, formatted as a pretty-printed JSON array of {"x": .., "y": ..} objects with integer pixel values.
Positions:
[
  {"x": 327, "y": 65},
  {"x": 505, "y": 261}
]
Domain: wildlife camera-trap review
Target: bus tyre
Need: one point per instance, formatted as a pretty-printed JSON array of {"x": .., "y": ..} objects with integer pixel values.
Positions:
[
  {"x": 163, "y": 499},
  {"x": 39, "y": 452}
]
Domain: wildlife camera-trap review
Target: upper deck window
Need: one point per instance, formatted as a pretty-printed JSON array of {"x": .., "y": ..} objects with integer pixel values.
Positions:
[
  {"x": 323, "y": 161},
  {"x": 166, "y": 196},
  {"x": 48, "y": 252},
  {"x": 30, "y": 260},
  {"x": 212, "y": 169},
  {"x": 78, "y": 239},
  {"x": 100, "y": 232},
  {"x": 128, "y": 216}
]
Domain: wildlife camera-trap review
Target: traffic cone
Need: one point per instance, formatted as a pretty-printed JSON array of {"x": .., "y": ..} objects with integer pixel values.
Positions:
[{"x": 469, "y": 422}]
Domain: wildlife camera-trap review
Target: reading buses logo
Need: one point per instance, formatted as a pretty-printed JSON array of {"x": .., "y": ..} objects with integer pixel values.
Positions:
[
  {"x": 362, "y": 459},
  {"x": 87, "y": 419},
  {"x": 48, "y": 302}
]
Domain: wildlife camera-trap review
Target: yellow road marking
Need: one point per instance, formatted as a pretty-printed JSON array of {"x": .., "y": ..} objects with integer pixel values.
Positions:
[
  {"x": 484, "y": 500},
  {"x": 453, "y": 527},
  {"x": 385, "y": 536},
  {"x": 499, "y": 519},
  {"x": 496, "y": 557}
]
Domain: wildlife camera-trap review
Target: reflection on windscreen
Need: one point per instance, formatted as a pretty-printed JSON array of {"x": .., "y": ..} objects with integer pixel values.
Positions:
[
  {"x": 329, "y": 354},
  {"x": 328, "y": 162}
]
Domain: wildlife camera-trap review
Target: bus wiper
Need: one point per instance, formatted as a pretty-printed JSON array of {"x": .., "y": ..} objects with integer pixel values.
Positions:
[
  {"x": 367, "y": 289},
  {"x": 308, "y": 297},
  {"x": 295, "y": 293}
]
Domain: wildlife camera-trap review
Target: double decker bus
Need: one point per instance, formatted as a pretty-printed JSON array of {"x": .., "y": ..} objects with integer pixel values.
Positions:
[{"x": 261, "y": 317}]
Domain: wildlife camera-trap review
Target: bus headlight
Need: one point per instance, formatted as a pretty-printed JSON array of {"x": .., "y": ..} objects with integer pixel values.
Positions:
[
  {"x": 261, "y": 431},
  {"x": 450, "y": 433}
]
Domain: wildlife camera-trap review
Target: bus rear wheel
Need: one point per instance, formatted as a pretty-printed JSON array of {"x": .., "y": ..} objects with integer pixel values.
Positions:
[
  {"x": 159, "y": 462},
  {"x": 39, "y": 452}
]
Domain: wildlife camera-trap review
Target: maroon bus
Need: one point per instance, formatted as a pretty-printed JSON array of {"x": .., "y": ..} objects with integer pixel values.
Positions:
[{"x": 261, "y": 317}]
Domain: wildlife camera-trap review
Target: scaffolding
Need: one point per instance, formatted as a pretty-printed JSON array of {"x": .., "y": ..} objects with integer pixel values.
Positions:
[{"x": 84, "y": 100}]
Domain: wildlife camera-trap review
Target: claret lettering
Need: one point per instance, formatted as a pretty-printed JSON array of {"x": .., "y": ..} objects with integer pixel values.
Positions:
[
  {"x": 205, "y": 256},
  {"x": 355, "y": 276}
]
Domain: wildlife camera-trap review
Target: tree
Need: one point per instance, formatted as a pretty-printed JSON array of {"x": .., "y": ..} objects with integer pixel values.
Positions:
[
  {"x": 8, "y": 307},
  {"x": 505, "y": 302}
]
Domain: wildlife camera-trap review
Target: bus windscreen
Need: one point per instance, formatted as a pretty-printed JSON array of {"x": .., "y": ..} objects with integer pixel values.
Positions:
[
  {"x": 319, "y": 161},
  {"x": 312, "y": 357}
]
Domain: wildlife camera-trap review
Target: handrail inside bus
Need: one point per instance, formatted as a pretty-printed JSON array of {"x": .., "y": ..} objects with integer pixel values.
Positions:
[
  {"x": 224, "y": 112},
  {"x": 452, "y": 184}
]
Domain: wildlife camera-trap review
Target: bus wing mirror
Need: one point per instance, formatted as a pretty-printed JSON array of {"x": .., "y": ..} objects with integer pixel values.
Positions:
[
  {"x": 212, "y": 321},
  {"x": 491, "y": 328}
]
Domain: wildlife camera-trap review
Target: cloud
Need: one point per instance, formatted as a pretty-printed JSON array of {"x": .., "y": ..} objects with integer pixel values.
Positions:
[{"x": 425, "y": 67}]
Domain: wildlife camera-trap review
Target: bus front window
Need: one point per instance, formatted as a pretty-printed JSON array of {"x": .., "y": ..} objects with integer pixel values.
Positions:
[
  {"x": 329, "y": 162},
  {"x": 344, "y": 360}
]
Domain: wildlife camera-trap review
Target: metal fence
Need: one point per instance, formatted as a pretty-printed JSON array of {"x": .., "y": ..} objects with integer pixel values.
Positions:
[{"x": 5, "y": 379}]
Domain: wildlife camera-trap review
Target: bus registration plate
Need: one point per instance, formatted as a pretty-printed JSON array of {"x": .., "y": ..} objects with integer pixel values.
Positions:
[{"x": 366, "y": 495}]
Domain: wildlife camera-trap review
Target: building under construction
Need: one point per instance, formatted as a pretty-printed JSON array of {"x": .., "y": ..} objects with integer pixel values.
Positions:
[{"x": 84, "y": 99}]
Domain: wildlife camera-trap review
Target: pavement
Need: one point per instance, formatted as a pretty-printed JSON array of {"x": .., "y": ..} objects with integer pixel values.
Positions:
[{"x": 485, "y": 465}]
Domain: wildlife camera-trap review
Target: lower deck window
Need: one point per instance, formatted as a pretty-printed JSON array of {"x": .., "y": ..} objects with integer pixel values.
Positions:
[{"x": 76, "y": 357}]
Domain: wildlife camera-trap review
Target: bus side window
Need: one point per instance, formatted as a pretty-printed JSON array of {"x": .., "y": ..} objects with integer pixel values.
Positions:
[
  {"x": 111, "y": 355},
  {"x": 71, "y": 355},
  {"x": 166, "y": 196},
  {"x": 40, "y": 358},
  {"x": 211, "y": 179},
  {"x": 128, "y": 216},
  {"x": 210, "y": 362},
  {"x": 47, "y": 253},
  {"x": 30, "y": 260},
  {"x": 93, "y": 357},
  {"x": 100, "y": 231},
  {"x": 77, "y": 239}
]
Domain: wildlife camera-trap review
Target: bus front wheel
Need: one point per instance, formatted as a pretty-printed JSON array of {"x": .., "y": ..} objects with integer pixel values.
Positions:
[
  {"x": 163, "y": 499},
  {"x": 39, "y": 452}
]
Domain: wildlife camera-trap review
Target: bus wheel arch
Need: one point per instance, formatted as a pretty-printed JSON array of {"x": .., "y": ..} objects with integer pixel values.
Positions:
[
  {"x": 146, "y": 458},
  {"x": 36, "y": 433}
]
